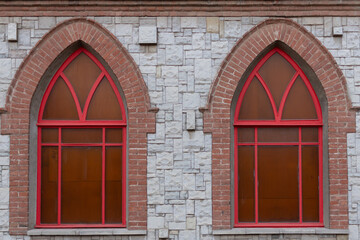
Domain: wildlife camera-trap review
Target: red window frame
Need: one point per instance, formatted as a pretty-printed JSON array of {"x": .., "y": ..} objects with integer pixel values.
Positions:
[
  {"x": 278, "y": 122},
  {"x": 81, "y": 123}
]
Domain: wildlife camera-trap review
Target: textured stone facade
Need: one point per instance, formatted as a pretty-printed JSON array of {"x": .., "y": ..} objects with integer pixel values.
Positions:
[{"x": 179, "y": 71}]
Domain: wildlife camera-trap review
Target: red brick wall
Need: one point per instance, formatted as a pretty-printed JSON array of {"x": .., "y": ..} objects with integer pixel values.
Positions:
[
  {"x": 15, "y": 121},
  {"x": 340, "y": 119}
]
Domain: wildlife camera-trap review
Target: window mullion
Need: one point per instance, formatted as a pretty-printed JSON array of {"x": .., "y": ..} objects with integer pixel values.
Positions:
[
  {"x": 59, "y": 179},
  {"x": 256, "y": 178},
  {"x": 300, "y": 178},
  {"x": 103, "y": 179}
]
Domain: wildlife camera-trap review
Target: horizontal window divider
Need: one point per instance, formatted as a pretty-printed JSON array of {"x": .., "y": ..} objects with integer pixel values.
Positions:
[
  {"x": 83, "y": 144},
  {"x": 97, "y": 124},
  {"x": 256, "y": 123},
  {"x": 281, "y": 230},
  {"x": 58, "y": 231},
  {"x": 279, "y": 144}
]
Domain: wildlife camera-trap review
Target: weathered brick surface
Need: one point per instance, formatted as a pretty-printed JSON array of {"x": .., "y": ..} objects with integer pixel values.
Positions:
[{"x": 196, "y": 63}]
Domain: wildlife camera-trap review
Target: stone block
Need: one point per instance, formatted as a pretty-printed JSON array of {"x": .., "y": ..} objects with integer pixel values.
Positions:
[
  {"x": 189, "y": 22},
  {"x": 173, "y": 179},
  {"x": 203, "y": 208},
  {"x": 147, "y": 35},
  {"x": 24, "y": 37},
  {"x": 123, "y": 29},
  {"x": 174, "y": 55},
  {"x": 173, "y": 129},
  {"x": 313, "y": 20},
  {"x": 179, "y": 213},
  {"x": 193, "y": 139},
  {"x": 198, "y": 195},
  {"x": 198, "y": 41},
  {"x": 219, "y": 47},
  {"x": 163, "y": 233},
  {"x": 4, "y": 196},
  {"x": 191, "y": 101},
  {"x": 172, "y": 94},
  {"x": 202, "y": 70},
  {"x": 232, "y": 29},
  {"x": 156, "y": 97},
  {"x": 155, "y": 222},
  {"x": 164, "y": 209},
  {"x": 164, "y": 160},
  {"x": 166, "y": 38},
  {"x": 170, "y": 75},
  {"x": 352, "y": 40},
  {"x": 190, "y": 223},
  {"x": 47, "y": 22},
  {"x": 212, "y": 24},
  {"x": 12, "y": 32},
  {"x": 153, "y": 186},
  {"x": 177, "y": 225},
  {"x": 162, "y": 22},
  {"x": 190, "y": 120},
  {"x": 187, "y": 234},
  {"x": 337, "y": 31}
]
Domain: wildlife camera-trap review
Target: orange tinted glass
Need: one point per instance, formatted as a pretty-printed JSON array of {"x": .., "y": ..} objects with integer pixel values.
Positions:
[
  {"x": 49, "y": 135},
  {"x": 299, "y": 104},
  {"x": 278, "y": 183},
  {"x": 277, "y": 73},
  {"x": 310, "y": 183},
  {"x": 246, "y": 183},
  {"x": 104, "y": 104},
  {"x": 246, "y": 135},
  {"x": 309, "y": 134},
  {"x": 256, "y": 104},
  {"x": 82, "y": 73},
  {"x": 81, "y": 135},
  {"x": 113, "y": 135},
  {"x": 113, "y": 185},
  {"x": 60, "y": 104},
  {"x": 81, "y": 185},
  {"x": 278, "y": 134},
  {"x": 49, "y": 184}
]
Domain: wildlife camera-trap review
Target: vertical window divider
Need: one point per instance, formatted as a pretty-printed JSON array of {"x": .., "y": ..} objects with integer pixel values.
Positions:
[
  {"x": 256, "y": 178},
  {"x": 59, "y": 179},
  {"x": 103, "y": 179},
  {"x": 300, "y": 178}
]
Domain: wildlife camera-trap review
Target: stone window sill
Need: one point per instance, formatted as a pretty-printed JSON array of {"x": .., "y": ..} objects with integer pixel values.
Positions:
[
  {"x": 86, "y": 232},
  {"x": 256, "y": 231}
]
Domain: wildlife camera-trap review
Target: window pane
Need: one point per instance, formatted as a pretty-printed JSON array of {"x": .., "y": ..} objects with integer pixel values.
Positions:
[
  {"x": 309, "y": 134},
  {"x": 49, "y": 184},
  {"x": 81, "y": 135},
  {"x": 246, "y": 184},
  {"x": 278, "y": 183},
  {"x": 277, "y": 73},
  {"x": 246, "y": 135},
  {"x": 256, "y": 104},
  {"x": 113, "y": 185},
  {"x": 104, "y": 104},
  {"x": 82, "y": 73},
  {"x": 299, "y": 104},
  {"x": 60, "y": 104},
  {"x": 49, "y": 135},
  {"x": 113, "y": 135},
  {"x": 310, "y": 183},
  {"x": 81, "y": 185},
  {"x": 278, "y": 134}
]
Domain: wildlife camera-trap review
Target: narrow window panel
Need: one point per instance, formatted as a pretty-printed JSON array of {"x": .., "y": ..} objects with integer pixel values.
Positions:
[
  {"x": 277, "y": 134},
  {"x": 113, "y": 185},
  {"x": 299, "y": 104},
  {"x": 81, "y": 135},
  {"x": 81, "y": 185},
  {"x": 278, "y": 184},
  {"x": 309, "y": 134},
  {"x": 114, "y": 135},
  {"x": 49, "y": 185},
  {"x": 246, "y": 135},
  {"x": 60, "y": 104},
  {"x": 310, "y": 183},
  {"x": 277, "y": 73},
  {"x": 49, "y": 135},
  {"x": 256, "y": 104},
  {"x": 104, "y": 105},
  {"x": 82, "y": 73},
  {"x": 246, "y": 184}
]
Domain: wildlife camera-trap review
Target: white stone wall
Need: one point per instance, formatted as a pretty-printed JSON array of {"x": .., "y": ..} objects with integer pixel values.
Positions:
[{"x": 179, "y": 71}]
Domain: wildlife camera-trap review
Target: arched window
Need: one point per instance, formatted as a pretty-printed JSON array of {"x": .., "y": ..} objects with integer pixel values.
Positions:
[
  {"x": 278, "y": 147},
  {"x": 81, "y": 148}
]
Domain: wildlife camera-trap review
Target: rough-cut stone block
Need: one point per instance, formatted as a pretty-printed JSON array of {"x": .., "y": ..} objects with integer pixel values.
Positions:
[
  {"x": 163, "y": 233},
  {"x": 337, "y": 31},
  {"x": 123, "y": 29},
  {"x": 173, "y": 178},
  {"x": 155, "y": 222},
  {"x": 164, "y": 160},
  {"x": 198, "y": 41},
  {"x": 202, "y": 69},
  {"x": 232, "y": 29},
  {"x": 212, "y": 24},
  {"x": 166, "y": 38},
  {"x": 190, "y": 120},
  {"x": 47, "y": 22},
  {"x": 189, "y": 22},
  {"x": 174, "y": 55},
  {"x": 147, "y": 35},
  {"x": 172, "y": 94},
  {"x": 12, "y": 32},
  {"x": 191, "y": 100},
  {"x": 180, "y": 213}
]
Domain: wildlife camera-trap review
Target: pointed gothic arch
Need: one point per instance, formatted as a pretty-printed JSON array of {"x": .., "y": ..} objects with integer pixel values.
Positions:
[
  {"x": 336, "y": 104},
  {"x": 17, "y": 121}
]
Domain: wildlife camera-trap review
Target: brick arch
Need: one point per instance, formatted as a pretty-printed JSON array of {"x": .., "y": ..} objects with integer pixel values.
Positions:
[
  {"x": 15, "y": 121},
  {"x": 217, "y": 115}
]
